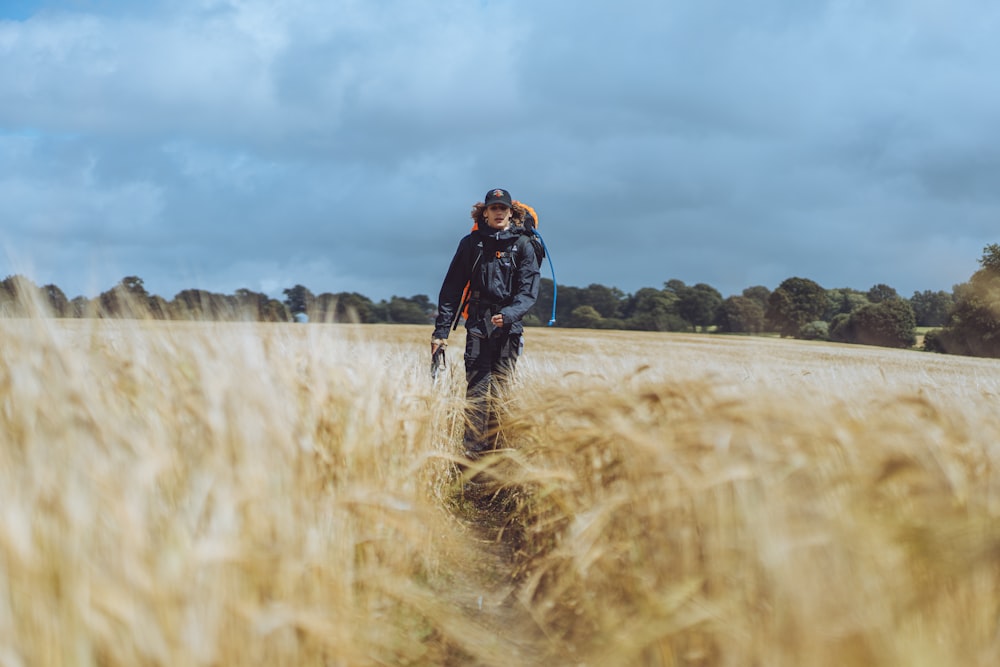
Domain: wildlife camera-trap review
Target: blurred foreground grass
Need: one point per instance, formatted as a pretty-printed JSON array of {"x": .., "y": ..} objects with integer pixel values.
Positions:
[{"x": 221, "y": 494}]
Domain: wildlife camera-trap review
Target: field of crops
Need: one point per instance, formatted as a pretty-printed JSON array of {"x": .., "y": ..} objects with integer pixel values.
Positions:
[{"x": 249, "y": 494}]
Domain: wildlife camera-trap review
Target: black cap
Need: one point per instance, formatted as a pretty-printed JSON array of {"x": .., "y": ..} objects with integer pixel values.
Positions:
[{"x": 498, "y": 196}]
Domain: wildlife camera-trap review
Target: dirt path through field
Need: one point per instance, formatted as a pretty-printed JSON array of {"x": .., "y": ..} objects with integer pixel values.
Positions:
[{"x": 484, "y": 586}]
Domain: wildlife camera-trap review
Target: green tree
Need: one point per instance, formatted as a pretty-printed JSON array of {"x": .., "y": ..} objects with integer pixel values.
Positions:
[
  {"x": 932, "y": 308},
  {"x": 57, "y": 301},
  {"x": 20, "y": 296},
  {"x": 973, "y": 326},
  {"x": 585, "y": 317},
  {"x": 758, "y": 293},
  {"x": 932, "y": 342},
  {"x": 741, "y": 314},
  {"x": 841, "y": 329},
  {"x": 424, "y": 303},
  {"x": 879, "y": 293},
  {"x": 159, "y": 308},
  {"x": 610, "y": 302},
  {"x": 248, "y": 305},
  {"x": 651, "y": 309},
  {"x": 843, "y": 300},
  {"x": 569, "y": 299},
  {"x": 298, "y": 299},
  {"x": 888, "y": 323},
  {"x": 990, "y": 261},
  {"x": 324, "y": 308},
  {"x": 399, "y": 310},
  {"x": 795, "y": 303},
  {"x": 354, "y": 307},
  {"x": 128, "y": 299},
  {"x": 80, "y": 307},
  {"x": 275, "y": 311},
  {"x": 699, "y": 305},
  {"x": 674, "y": 286},
  {"x": 607, "y": 301},
  {"x": 196, "y": 304},
  {"x": 818, "y": 330}
]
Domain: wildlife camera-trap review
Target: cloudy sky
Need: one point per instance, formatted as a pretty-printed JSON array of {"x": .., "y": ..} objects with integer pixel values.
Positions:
[{"x": 339, "y": 144}]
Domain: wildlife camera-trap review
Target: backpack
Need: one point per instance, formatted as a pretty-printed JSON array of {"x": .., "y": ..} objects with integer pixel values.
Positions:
[{"x": 531, "y": 224}]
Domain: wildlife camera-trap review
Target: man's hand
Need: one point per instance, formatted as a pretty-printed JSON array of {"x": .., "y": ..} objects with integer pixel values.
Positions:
[
  {"x": 436, "y": 344},
  {"x": 497, "y": 320}
]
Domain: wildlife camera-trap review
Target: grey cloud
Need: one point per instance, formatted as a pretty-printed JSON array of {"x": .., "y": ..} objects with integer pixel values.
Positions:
[{"x": 344, "y": 143}]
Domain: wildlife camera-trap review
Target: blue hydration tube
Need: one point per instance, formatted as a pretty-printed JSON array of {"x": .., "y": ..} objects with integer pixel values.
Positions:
[{"x": 553, "y": 270}]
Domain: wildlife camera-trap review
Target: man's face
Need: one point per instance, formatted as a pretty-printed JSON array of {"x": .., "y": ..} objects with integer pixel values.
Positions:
[{"x": 498, "y": 216}]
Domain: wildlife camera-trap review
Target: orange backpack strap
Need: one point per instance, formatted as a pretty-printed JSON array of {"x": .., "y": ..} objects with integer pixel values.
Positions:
[{"x": 466, "y": 301}]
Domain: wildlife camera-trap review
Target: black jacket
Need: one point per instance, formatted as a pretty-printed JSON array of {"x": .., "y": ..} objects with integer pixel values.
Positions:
[{"x": 502, "y": 270}]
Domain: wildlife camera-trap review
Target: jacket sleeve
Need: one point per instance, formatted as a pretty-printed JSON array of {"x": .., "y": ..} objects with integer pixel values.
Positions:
[
  {"x": 450, "y": 297},
  {"x": 528, "y": 280}
]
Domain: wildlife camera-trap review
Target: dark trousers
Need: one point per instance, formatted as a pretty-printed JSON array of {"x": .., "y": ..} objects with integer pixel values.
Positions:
[{"x": 489, "y": 366}]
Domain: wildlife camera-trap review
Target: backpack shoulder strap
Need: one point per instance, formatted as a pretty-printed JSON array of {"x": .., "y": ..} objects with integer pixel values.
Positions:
[{"x": 524, "y": 240}]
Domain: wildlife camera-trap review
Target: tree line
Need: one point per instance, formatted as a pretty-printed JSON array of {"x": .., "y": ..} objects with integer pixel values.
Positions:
[
  {"x": 129, "y": 299},
  {"x": 964, "y": 321}
]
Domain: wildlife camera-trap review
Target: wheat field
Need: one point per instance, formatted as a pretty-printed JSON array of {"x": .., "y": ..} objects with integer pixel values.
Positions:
[{"x": 250, "y": 494}]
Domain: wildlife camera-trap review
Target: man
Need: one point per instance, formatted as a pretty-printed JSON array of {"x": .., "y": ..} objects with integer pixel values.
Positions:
[{"x": 499, "y": 264}]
